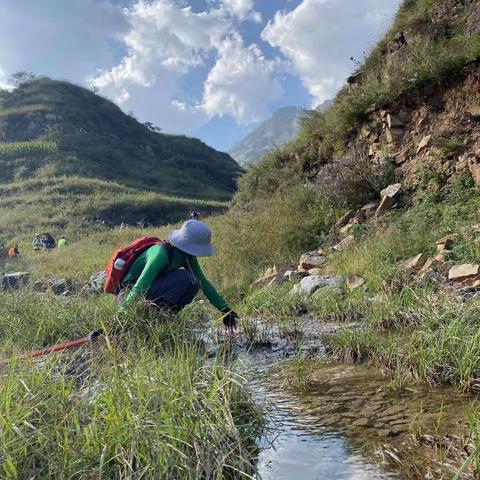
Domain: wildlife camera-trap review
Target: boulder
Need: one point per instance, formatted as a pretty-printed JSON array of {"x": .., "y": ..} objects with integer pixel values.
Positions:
[
  {"x": 312, "y": 260},
  {"x": 459, "y": 273},
  {"x": 345, "y": 219},
  {"x": 14, "y": 280},
  {"x": 415, "y": 264},
  {"x": 355, "y": 281},
  {"x": 346, "y": 242},
  {"x": 424, "y": 142},
  {"x": 311, "y": 284}
]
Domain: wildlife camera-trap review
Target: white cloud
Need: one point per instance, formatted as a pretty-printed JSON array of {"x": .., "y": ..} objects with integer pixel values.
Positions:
[
  {"x": 319, "y": 37},
  {"x": 243, "y": 9},
  {"x": 241, "y": 83},
  {"x": 167, "y": 41}
]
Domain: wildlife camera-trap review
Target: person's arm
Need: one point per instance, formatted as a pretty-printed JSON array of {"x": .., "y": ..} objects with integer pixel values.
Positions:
[
  {"x": 156, "y": 261},
  {"x": 208, "y": 289}
]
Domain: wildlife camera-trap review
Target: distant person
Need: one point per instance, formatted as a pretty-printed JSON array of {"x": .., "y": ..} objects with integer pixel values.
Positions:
[
  {"x": 14, "y": 251},
  {"x": 37, "y": 242},
  {"x": 48, "y": 241},
  {"x": 62, "y": 242},
  {"x": 168, "y": 274}
]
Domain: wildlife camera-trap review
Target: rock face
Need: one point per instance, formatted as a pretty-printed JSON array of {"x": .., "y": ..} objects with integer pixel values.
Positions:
[
  {"x": 310, "y": 285},
  {"x": 14, "y": 280},
  {"x": 466, "y": 271}
]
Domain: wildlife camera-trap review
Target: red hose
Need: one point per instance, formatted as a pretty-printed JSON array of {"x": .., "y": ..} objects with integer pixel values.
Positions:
[{"x": 57, "y": 348}]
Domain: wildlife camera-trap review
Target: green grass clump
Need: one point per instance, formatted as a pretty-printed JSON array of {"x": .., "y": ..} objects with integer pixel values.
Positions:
[
  {"x": 147, "y": 404},
  {"x": 31, "y": 148}
]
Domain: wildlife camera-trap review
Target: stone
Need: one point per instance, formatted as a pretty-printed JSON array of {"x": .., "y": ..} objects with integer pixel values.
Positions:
[
  {"x": 59, "y": 286},
  {"x": 389, "y": 197},
  {"x": 14, "y": 280},
  {"x": 373, "y": 149},
  {"x": 315, "y": 271},
  {"x": 346, "y": 228},
  {"x": 345, "y": 219},
  {"x": 474, "y": 168},
  {"x": 415, "y": 264},
  {"x": 311, "y": 260},
  {"x": 95, "y": 284},
  {"x": 263, "y": 281},
  {"x": 302, "y": 273},
  {"x": 444, "y": 243},
  {"x": 355, "y": 281},
  {"x": 363, "y": 422},
  {"x": 392, "y": 190},
  {"x": 395, "y": 135},
  {"x": 345, "y": 243},
  {"x": 39, "y": 286},
  {"x": 394, "y": 122},
  {"x": 311, "y": 284},
  {"x": 459, "y": 273},
  {"x": 369, "y": 210},
  {"x": 290, "y": 275},
  {"x": 424, "y": 142}
]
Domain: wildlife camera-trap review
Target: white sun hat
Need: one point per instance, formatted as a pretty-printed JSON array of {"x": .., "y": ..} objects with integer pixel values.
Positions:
[{"x": 193, "y": 238}]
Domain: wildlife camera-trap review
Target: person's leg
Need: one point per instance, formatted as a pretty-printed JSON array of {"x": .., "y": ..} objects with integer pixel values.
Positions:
[{"x": 173, "y": 290}]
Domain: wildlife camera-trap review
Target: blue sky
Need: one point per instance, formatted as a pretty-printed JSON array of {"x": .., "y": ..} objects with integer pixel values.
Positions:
[{"x": 208, "y": 68}]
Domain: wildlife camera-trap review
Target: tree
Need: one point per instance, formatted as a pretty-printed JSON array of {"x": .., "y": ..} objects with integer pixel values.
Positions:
[{"x": 20, "y": 78}]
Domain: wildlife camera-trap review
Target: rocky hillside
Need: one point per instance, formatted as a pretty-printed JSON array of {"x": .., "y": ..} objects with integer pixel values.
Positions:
[
  {"x": 51, "y": 128},
  {"x": 410, "y": 111}
]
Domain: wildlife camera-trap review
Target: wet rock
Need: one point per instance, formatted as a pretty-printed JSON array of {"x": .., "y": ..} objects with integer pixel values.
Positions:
[
  {"x": 343, "y": 244},
  {"x": 355, "y": 281},
  {"x": 459, "y": 273},
  {"x": 312, "y": 260},
  {"x": 311, "y": 284},
  {"x": 424, "y": 142},
  {"x": 394, "y": 410},
  {"x": 363, "y": 422},
  {"x": 14, "y": 280}
]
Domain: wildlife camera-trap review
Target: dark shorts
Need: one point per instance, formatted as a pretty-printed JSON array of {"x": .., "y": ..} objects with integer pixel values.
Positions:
[{"x": 172, "y": 290}]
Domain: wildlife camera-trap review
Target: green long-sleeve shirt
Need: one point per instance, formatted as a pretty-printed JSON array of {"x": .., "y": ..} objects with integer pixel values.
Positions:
[{"x": 154, "y": 261}]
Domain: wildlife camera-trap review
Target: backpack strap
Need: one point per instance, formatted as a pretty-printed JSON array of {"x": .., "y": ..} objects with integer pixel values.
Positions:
[{"x": 169, "y": 248}]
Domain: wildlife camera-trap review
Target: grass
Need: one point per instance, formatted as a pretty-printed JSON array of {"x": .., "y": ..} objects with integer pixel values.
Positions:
[
  {"x": 147, "y": 404},
  {"x": 31, "y": 148}
]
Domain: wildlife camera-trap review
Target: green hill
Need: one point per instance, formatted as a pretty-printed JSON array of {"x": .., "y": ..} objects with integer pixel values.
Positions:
[{"x": 52, "y": 128}]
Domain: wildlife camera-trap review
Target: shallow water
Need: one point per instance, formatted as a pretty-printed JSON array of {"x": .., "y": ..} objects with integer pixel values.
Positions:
[{"x": 347, "y": 424}]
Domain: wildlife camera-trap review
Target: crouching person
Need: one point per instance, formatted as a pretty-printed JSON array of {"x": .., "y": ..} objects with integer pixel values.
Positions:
[{"x": 168, "y": 275}]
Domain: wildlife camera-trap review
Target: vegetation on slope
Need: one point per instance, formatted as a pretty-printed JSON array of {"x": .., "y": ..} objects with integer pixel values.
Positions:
[{"x": 53, "y": 128}]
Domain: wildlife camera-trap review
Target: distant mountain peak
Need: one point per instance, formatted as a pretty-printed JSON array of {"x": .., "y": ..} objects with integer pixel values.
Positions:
[{"x": 279, "y": 129}]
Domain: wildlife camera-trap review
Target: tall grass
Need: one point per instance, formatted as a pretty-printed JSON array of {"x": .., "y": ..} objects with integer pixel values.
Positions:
[
  {"x": 147, "y": 404},
  {"x": 30, "y": 148}
]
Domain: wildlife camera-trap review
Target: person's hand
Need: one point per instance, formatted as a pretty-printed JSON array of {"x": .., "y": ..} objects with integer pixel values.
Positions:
[{"x": 230, "y": 321}]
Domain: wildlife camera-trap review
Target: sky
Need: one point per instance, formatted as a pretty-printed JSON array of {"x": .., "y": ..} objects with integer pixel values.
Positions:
[{"x": 212, "y": 69}]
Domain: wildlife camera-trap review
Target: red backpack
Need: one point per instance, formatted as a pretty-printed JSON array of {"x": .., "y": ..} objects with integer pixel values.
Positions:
[{"x": 129, "y": 254}]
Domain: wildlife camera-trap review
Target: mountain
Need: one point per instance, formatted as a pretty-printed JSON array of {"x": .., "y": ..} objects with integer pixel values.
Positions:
[
  {"x": 279, "y": 129},
  {"x": 52, "y": 128}
]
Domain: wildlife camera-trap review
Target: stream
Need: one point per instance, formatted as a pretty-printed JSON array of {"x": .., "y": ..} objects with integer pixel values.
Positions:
[{"x": 346, "y": 423}]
